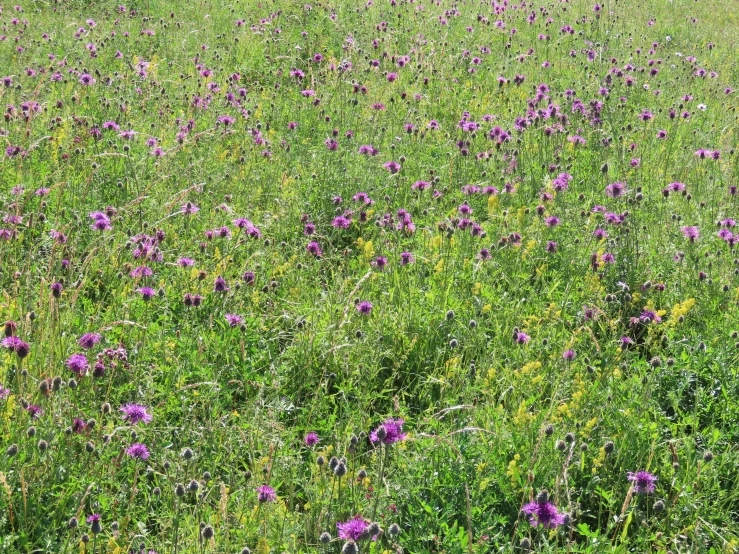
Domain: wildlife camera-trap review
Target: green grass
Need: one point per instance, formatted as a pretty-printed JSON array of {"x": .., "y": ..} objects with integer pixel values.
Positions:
[{"x": 438, "y": 347}]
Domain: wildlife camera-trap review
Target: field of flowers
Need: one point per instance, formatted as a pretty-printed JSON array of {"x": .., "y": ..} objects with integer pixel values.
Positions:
[{"x": 377, "y": 276}]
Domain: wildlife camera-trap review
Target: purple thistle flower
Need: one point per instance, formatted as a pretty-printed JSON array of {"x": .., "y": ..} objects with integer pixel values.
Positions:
[
  {"x": 551, "y": 221},
  {"x": 78, "y": 364},
  {"x": 88, "y": 340},
  {"x": 220, "y": 285},
  {"x": 147, "y": 293},
  {"x": 522, "y": 338},
  {"x": 341, "y": 222},
  {"x": 265, "y": 493},
  {"x": 233, "y": 320},
  {"x": 315, "y": 249},
  {"x": 15, "y": 344},
  {"x": 100, "y": 222},
  {"x": 78, "y": 425},
  {"x": 392, "y": 167},
  {"x": 34, "y": 411},
  {"x": 311, "y": 439},
  {"x": 135, "y": 413},
  {"x": 389, "y": 432},
  {"x": 406, "y": 258},
  {"x": 138, "y": 451},
  {"x": 614, "y": 190},
  {"x": 648, "y": 316},
  {"x": 544, "y": 513},
  {"x": 380, "y": 262},
  {"x": 569, "y": 355},
  {"x": 353, "y": 529},
  {"x": 364, "y": 307},
  {"x": 644, "y": 482},
  {"x": 690, "y": 232}
]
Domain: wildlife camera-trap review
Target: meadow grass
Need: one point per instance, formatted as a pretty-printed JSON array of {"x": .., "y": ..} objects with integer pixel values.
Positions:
[{"x": 394, "y": 276}]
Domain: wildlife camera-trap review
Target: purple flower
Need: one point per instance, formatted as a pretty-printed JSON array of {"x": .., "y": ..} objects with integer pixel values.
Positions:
[
  {"x": 135, "y": 413},
  {"x": 77, "y": 363},
  {"x": 353, "y": 529},
  {"x": 614, "y": 190},
  {"x": 551, "y": 221},
  {"x": 380, "y": 262},
  {"x": 78, "y": 425},
  {"x": 100, "y": 222},
  {"x": 4, "y": 393},
  {"x": 233, "y": 320},
  {"x": 647, "y": 316},
  {"x": 364, "y": 307},
  {"x": 138, "y": 451},
  {"x": 311, "y": 439},
  {"x": 315, "y": 249},
  {"x": 147, "y": 293},
  {"x": 406, "y": 258},
  {"x": 34, "y": 411},
  {"x": 185, "y": 262},
  {"x": 569, "y": 355},
  {"x": 220, "y": 285},
  {"x": 15, "y": 344},
  {"x": 389, "y": 432},
  {"x": 88, "y": 340},
  {"x": 522, "y": 338},
  {"x": 542, "y": 512},
  {"x": 690, "y": 232},
  {"x": 265, "y": 493},
  {"x": 644, "y": 482},
  {"x": 341, "y": 222},
  {"x": 392, "y": 167}
]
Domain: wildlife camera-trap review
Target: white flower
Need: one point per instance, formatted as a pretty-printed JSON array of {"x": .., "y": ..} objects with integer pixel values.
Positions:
[{"x": 702, "y": 107}]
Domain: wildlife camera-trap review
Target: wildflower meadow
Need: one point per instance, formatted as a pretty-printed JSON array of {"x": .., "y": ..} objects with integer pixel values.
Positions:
[{"x": 369, "y": 276}]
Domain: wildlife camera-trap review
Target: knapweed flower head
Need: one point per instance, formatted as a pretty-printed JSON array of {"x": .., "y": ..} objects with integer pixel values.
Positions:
[
  {"x": 14, "y": 344},
  {"x": 364, "y": 307},
  {"x": 311, "y": 439},
  {"x": 644, "y": 482},
  {"x": 147, "y": 293},
  {"x": 315, "y": 249},
  {"x": 265, "y": 493},
  {"x": 542, "y": 512},
  {"x": 138, "y": 451},
  {"x": 614, "y": 190},
  {"x": 234, "y": 320},
  {"x": 95, "y": 523},
  {"x": 88, "y": 340},
  {"x": 649, "y": 316},
  {"x": 220, "y": 285},
  {"x": 34, "y": 411},
  {"x": 353, "y": 529},
  {"x": 135, "y": 414},
  {"x": 690, "y": 232},
  {"x": 389, "y": 432},
  {"x": 78, "y": 364},
  {"x": 392, "y": 167}
]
